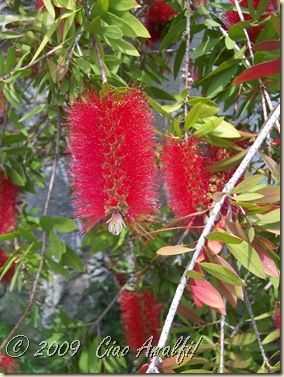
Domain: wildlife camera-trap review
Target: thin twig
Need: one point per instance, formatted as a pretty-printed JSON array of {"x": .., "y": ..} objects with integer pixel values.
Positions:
[
  {"x": 2, "y": 78},
  {"x": 222, "y": 343},
  {"x": 187, "y": 77},
  {"x": 228, "y": 187},
  {"x": 96, "y": 46},
  {"x": 42, "y": 254}
]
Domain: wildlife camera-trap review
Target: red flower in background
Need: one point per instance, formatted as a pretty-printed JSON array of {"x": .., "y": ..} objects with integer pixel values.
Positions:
[
  {"x": 39, "y": 4},
  {"x": 188, "y": 181},
  {"x": 276, "y": 316},
  {"x": 8, "y": 364},
  {"x": 232, "y": 17},
  {"x": 8, "y": 199},
  {"x": 159, "y": 15},
  {"x": 140, "y": 317},
  {"x": 111, "y": 141}
]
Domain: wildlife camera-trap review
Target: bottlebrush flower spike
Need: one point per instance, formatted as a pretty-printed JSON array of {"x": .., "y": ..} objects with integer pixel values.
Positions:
[
  {"x": 8, "y": 199},
  {"x": 276, "y": 316},
  {"x": 189, "y": 183},
  {"x": 8, "y": 364},
  {"x": 232, "y": 17},
  {"x": 159, "y": 15},
  {"x": 113, "y": 170},
  {"x": 140, "y": 317}
]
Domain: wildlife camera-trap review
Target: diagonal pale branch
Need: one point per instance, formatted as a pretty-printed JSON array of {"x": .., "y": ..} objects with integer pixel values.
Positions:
[{"x": 268, "y": 124}]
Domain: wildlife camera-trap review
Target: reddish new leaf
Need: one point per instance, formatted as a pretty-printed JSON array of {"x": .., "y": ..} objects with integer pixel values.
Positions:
[
  {"x": 267, "y": 261},
  {"x": 273, "y": 44},
  {"x": 143, "y": 369},
  {"x": 259, "y": 70}
]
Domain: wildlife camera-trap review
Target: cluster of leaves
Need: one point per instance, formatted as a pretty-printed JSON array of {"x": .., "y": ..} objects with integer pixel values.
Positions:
[{"x": 50, "y": 56}]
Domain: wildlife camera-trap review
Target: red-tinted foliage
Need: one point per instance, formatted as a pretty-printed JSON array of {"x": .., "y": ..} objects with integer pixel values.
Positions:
[
  {"x": 232, "y": 17},
  {"x": 140, "y": 315},
  {"x": 7, "y": 278},
  {"x": 158, "y": 16},
  {"x": 111, "y": 141},
  {"x": 39, "y": 4},
  {"x": 188, "y": 181},
  {"x": 8, "y": 364},
  {"x": 277, "y": 317},
  {"x": 8, "y": 198},
  {"x": 258, "y": 71}
]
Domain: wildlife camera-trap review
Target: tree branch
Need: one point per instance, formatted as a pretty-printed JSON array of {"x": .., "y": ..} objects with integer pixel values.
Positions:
[{"x": 228, "y": 187}]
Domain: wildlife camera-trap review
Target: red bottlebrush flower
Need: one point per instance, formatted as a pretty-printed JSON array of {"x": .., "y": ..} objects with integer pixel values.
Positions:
[
  {"x": 232, "y": 17},
  {"x": 8, "y": 198},
  {"x": 7, "y": 278},
  {"x": 276, "y": 316},
  {"x": 140, "y": 317},
  {"x": 39, "y": 4},
  {"x": 113, "y": 158},
  {"x": 8, "y": 364},
  {"x": 158, "y": 16},
  {"x": 188, "y": 181}
]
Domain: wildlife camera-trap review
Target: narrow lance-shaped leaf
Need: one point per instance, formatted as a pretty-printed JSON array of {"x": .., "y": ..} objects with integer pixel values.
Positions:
[{"x": 258, "y": 71}]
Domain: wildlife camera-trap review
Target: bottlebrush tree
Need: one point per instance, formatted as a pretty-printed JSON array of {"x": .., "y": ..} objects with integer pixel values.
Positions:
[{"x": 186, "y": 217}]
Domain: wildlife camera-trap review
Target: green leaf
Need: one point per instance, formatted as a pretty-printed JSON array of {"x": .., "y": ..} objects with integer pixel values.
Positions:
[
  {"x": 222, "y": 273},
  {"x": 222, "y": 236},
  {"x": 271, "y": 337},
  {"x": 226, "y": 130},
  {"x": 179, "y": 58},
  {"x": 195, "y": 275},
  {"x": 17, "y": 176},
  {"x": 122, "y": 5},
  {"x": 100, "y": 8},
  {"x": 248, "y": 257},
  {"x": 57, "y": 267},
  {"x": 192, "y": 116},
  {"x": 95, "y": 25},
  {"x": 8, "y": 18},
  {"x": 204, "y": 47},
  {"x": 135, "y": 25},
  {"x": 112, "y": 19},
  {"x": 110, "y": 31},
  {"x": 230, "y": 44},
  {"x": 46, "y": 38},
  {"x": 33, "y": 112},
  {"x": 174, "y": 250},
  {"x": 64, "y": 224},
  {"x": 57, "y": 247},
  {"x": 248, "y": 183},
  {"x": 247, "y": 197},
  {"x": 174, "y": 34},
  {"x": 72, "y": 260},
  {"x": 156, "y": 106},
  {"x": 271, "y": 194},
  {"x": 122, "y": 46},
  {"x": 227, "y": 163},
  {"x": 49, "y": 7},
  {"x": 269, "y": 218},
  {"x": 208, "y": 111},
  {"x": 9, "y": 236},
  {"x": 243, "y": 339},
  {"x": 272, "y": 166},
  {"x": 209, "y": 22},
  {"x": 208, "y": 127},
  {"x": 10, "y": 59},
  {"x": 46, "y": 222}
]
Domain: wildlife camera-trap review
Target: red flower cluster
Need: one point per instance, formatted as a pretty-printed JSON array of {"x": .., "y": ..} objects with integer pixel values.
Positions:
[
  {"x": 39, "y": 4},
  {"x": 159, "y": 15},
  {"x": 112, "y": 146},
  {"x": 277, "y": 317},
  {"x": 232, "y": 17},
  {"x": 140, "y": 317},
  {"x": 8, "y": 199},
  {"x": 7, "y": 278},
  {"x": 8, "y": 364},
  {"x": 189, "y": 183}
]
